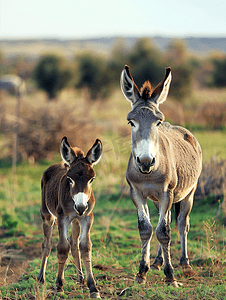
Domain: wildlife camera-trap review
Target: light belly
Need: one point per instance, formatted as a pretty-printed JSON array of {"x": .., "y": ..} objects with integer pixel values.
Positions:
[{"x": 155, "y": 194}]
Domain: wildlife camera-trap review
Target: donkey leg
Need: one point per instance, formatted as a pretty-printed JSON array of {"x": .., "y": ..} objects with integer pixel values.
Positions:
[
  {"x": 63, "y": 248},
  {"x": 163, "y": 233},
  {"x": 145, "y": 230},
  {"x": 74, "y": 242},
  {"x": 157, "y": 264},
  {"x": 86, "y": 253},
  {"x": 48, "y": 222},
  {"x": 183, "y": 226}
]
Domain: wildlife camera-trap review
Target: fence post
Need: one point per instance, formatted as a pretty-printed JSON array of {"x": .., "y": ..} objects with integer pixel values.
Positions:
[{"x": 16, "y": 130}]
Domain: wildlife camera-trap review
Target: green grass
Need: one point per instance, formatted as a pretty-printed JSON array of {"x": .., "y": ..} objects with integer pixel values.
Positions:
[
  {"x": 116, "y": 246},
  {"x": 212, "y": 143}
]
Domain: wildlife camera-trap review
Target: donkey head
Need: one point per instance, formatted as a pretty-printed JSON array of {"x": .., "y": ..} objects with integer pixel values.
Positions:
[
  {"x": 80, "y": 172},
  {"x": 145, "y": 117}
]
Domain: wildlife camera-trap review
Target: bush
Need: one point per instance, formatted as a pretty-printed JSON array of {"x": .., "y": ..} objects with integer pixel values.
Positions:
[
  {"x": 182, "y": 70},
  {"x": 214, "y": 114},
  {"x": 93, "y": 75},
  {"x": 219, "y": 73},
  {"x": 181, "y": 86},
  {"x": 42, "y": 129},
  {"x": 146, "y": 63},
  {"x": 212, "y": 180},
  {"x": 8, "y": 222},
  {"x": 51, "y": 74},
  {"x": 119, "y": 57}
]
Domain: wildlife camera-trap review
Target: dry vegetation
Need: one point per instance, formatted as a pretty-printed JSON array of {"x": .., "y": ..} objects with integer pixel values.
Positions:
[{"x": 43, "y": 124}]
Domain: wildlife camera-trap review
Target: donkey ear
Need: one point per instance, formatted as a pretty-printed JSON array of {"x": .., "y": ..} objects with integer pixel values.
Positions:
[
  {"x": 161, "y": 91},
  {"x": 94, "y": 153},
  {"x": 128, "y": 86},
  {"x": 66, "y": 151}
]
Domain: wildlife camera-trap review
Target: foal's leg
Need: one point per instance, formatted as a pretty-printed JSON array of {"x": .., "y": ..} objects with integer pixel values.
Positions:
[
  {"x": 48, "y": 222},
  {"x": 183, "y": 226},
  {"x": 74, "y": 241},
  {"x": 145, "y": 230},
  {"x": 86, "y": 253},
  {"x": 63, "y": 248}
]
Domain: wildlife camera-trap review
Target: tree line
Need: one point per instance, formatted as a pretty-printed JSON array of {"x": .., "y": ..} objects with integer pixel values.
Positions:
[{"x": 99, "y": 74}]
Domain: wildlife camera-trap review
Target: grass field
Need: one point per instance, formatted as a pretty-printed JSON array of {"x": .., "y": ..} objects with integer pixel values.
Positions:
[
  {"x": 116, "y": 254},
  {"x": 115, "y": 237}
]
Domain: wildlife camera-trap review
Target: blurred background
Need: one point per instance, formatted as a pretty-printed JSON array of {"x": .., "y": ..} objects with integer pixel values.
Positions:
[{"x": 60, "y": 64}]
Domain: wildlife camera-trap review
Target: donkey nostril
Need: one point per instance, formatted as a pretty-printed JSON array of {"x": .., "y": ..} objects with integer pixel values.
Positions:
[
  {"x": 81, "y": 209},
  {"x": 138, "y": 161},
  {"x": 153, "y": 162},
  {"x": 145, "y": 164}
]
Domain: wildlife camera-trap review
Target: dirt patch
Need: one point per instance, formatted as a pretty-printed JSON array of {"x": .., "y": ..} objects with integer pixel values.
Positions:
[
  {"x": 15, "y": 257},
  {"x": 113, "y": 270}
]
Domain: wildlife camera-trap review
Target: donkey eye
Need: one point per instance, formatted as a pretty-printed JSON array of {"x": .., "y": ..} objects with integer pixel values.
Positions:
[
  {"x": 131, "y": 123},
  {"x": 159, "y": 122},
  {"x": 70, "y": 181},
  {"x": 91, "y": 180}
]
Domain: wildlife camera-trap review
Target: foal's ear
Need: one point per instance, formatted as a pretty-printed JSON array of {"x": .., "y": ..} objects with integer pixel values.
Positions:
[
  {"x": 161, "y": 91},
  {"x": 94, "y": 153},
  {"x": 128, "y": 86},
  {"x": 66, "y": 152}
]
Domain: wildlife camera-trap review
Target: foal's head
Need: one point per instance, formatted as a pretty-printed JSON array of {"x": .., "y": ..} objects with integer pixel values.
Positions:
[
  {"x": 80, "y": 172},
  {"x": 145, "y": 117}
]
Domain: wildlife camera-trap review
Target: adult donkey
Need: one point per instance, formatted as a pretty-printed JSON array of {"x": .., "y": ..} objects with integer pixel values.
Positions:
[
  {"x": 68, "y": 197},
  {"x": 164, "y": 166}
]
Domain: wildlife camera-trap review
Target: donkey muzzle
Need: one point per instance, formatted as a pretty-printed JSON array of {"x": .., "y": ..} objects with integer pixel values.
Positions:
[
  {"x": 145, "y": 164},
  {"x": 80, "y": 209}
]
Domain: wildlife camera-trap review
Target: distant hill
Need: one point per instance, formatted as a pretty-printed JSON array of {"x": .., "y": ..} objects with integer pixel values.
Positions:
[
  {"x": 206, "y": 44},
  {"x": 35, "y": 47}
]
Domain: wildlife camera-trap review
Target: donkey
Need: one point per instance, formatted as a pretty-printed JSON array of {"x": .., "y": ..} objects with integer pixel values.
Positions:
[
  {"x": 67, "y": 197},
  {"x": 164, "y": 166}
]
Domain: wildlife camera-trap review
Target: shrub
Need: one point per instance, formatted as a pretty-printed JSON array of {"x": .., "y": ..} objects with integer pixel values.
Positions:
[
  {"x": 8, "y": 222},
  {"x": 212, "y": 180},
  {"x": 41, "y": 130},
  {"x": 51, "y": 74},
  {"x": 181, "y": 86},
  {"x": 119, "y": 57},
  {"x": 214, "y": 114},
  {"x": 146, "y": 62},
  {"x": 93, "y": 75},
  {"x": 182, "y": 70},
  {"x": 219, "y": 72}
]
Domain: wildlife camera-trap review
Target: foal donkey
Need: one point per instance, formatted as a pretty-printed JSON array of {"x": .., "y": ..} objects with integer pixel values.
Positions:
[
  {"x": 68, "y": 197},
  {"x": 164, "y": 166}
]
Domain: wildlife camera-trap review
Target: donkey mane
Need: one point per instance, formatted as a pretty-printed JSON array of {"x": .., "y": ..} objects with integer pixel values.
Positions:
[{"x": 146, "y": 90}]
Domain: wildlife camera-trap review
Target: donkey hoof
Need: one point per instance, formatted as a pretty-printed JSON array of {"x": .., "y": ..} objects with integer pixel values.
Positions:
[
  {"x": 41, "y": 280},
  {"x": 140, "y": 278},
  {"x": 177, "y": 284},
  {"x": 174, "y": 283},
  {"x": 54, "y": 291},
  {"x": 58, "y": 290},
  {"x": 95, "y": 295},
  {"x": 156, "y": 266}
]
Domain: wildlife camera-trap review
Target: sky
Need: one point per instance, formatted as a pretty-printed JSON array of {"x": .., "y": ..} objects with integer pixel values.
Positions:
[{"x": 82, "y": 19}]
